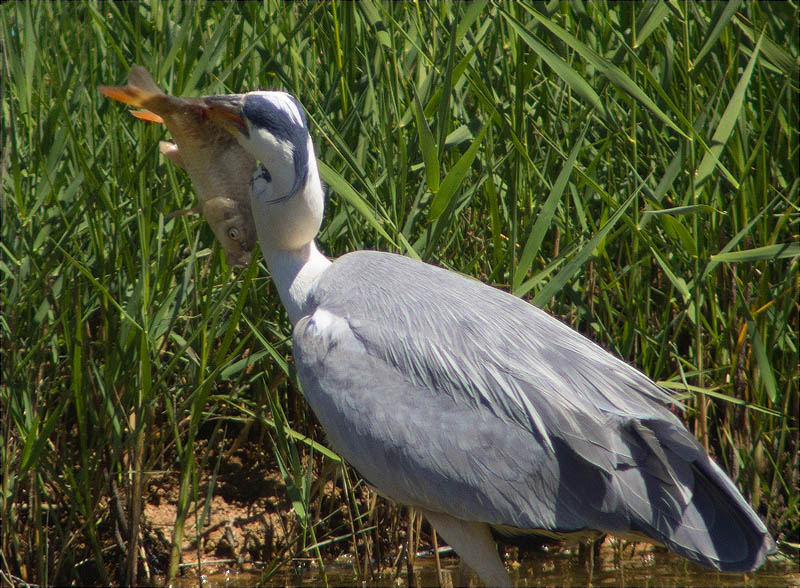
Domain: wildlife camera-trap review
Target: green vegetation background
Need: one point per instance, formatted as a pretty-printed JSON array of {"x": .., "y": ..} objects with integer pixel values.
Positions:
[{"x": 631, "y": 167}]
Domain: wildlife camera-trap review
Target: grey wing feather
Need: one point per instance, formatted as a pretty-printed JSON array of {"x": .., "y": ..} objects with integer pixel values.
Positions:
[
  {"x": 415, "y": 447},
  {"x": 457, "y": 397}
]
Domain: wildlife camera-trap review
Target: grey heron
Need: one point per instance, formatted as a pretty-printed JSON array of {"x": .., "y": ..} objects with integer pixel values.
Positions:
[{"x": 483, "y": 412}]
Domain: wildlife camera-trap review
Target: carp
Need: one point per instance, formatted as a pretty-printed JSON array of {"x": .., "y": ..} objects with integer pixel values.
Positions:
[{"x": 219, "y": 168}]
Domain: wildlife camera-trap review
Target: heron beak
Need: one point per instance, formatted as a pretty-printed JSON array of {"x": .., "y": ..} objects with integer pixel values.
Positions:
[{"x": 226, "y": 111}]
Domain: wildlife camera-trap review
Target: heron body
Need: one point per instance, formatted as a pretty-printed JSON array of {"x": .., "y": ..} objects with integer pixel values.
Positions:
[{"x": 482, "y": 411}]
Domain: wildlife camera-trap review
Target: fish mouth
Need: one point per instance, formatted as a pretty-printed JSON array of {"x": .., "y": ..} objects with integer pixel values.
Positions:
[{"x": 226, "y": 111}]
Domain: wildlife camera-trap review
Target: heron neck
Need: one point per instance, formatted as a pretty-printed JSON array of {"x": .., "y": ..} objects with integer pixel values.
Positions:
[{"x": 294, "y": 273}]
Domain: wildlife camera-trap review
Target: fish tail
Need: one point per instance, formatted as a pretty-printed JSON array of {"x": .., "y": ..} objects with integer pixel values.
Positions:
[
  {"x": 141, "y": 91},
  {"x": 140, "y": 78},
  {"x": 126, "y": 94}
]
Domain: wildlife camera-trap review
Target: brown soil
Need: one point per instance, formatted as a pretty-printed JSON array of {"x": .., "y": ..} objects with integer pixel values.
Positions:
[
  {"x": 244, "y": 523},
  {"x": 241, "y": 525}
]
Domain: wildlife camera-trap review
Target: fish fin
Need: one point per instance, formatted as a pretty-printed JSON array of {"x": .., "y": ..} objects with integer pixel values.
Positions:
[
  {"x": 147, "y": 115},
  {"x": 125, "y": 94},
  {"x": 139, "y": 77},
  {"x": 184, "y": 212},
  {"x": 171, "y": 152},
  {"x": 140, "y": 88}
]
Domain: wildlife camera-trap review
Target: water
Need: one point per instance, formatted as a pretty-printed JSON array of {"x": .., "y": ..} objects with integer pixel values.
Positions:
[{"x": 635, "y": 565}]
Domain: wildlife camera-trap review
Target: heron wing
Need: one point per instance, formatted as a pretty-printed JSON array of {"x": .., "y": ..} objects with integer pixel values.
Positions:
[{"x": 459, "y": 398}]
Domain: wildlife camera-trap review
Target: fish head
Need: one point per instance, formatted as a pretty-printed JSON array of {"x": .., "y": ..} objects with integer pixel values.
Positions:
[{"x": 228, "y": 220}]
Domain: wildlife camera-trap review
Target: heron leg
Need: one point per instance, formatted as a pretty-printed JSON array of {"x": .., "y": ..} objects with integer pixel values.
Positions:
[{"x": 474, "y": 544}]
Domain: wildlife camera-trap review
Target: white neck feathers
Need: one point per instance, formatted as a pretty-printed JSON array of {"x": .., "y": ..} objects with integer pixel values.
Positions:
[{"x": 294, "y": 273}]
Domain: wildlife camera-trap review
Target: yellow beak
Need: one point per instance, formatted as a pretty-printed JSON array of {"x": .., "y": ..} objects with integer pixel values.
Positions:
[{"x": 226, "y": 111}]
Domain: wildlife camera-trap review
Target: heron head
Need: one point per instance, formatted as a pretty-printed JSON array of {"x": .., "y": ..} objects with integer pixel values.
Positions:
[
  {"x": 272, "y": 127},
  {"x": 286, "y": 192}
]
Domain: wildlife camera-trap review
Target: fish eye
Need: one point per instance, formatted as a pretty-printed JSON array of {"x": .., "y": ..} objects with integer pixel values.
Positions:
[{"x": 233, "y": 233}]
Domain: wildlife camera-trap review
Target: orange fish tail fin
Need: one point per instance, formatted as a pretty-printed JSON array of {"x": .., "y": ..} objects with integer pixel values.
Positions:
[
  {"x": 140, "y": 89},
  {"x": 147, "y": 115},
  {"x": 126, "y": 94}
]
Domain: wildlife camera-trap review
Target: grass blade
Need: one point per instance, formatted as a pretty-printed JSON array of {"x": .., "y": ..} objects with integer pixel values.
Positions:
[
  {"x": 339, "y": 185},
  {"x": 767, "y": 252},
  {"x": 766, "y": 375},
  {"x": 568, "y": 271},
  {"x": 659, "y": 11},
  {"x": 724, "y": 15},
  {"x": 545, "y": 215},
  {"x": 430, "y": 153},
  {"x": 571, "y": 77},
  {"x": 727, "y": 121},
  {"x": 442, "y": 199},
  {"x": 615, "y": 75}
]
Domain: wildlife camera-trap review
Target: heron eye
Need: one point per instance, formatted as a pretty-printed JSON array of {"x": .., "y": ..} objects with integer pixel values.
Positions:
[
  {"x": 233, "y": 233},
  {"x": 261, "y": 174}
]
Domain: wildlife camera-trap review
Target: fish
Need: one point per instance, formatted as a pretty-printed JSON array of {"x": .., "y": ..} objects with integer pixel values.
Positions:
[{"x": 219, "y": 168}]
